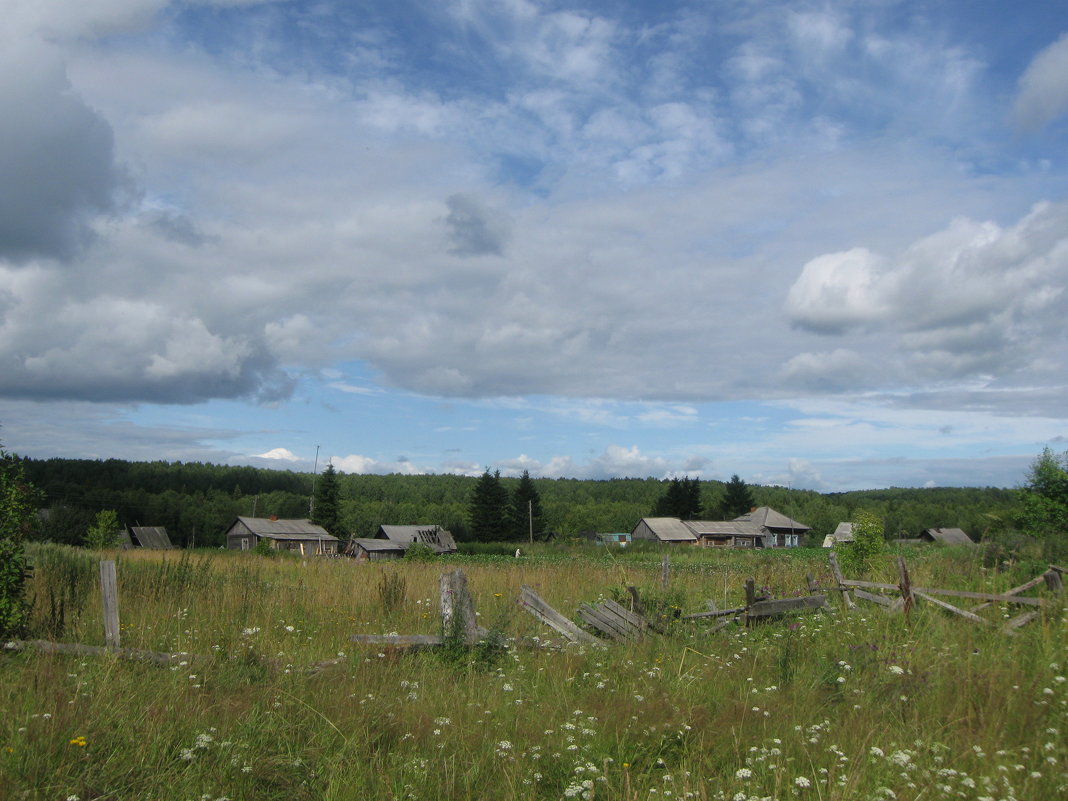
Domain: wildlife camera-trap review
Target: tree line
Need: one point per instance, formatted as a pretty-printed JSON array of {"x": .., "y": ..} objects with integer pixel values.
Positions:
[{"x": 196, "y": 502}]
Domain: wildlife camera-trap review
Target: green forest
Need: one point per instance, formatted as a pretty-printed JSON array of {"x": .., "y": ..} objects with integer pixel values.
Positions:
[{"x": 197, "y": 502}]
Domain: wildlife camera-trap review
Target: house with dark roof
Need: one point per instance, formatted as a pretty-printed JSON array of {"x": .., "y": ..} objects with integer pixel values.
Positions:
[
  {"x": 727, "y": 533},
  {"x": 302, "y": 536},
  {"x": 946, "y": 536},
  {"x": 761, "y": 528}
]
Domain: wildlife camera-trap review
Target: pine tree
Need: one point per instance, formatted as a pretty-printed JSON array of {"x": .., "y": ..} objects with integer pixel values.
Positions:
[
  {"x": 682, "y": 499},
  {"x": 524, "y": 512},
  {"x": 488, "y": 508},
  {"x": 738, "y": 499},
  {"x": 325, "y": 503}
]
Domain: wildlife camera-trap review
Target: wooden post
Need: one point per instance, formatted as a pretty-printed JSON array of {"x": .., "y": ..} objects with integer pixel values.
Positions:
[
  {"x": 665, "y": 571},
  {"x": 905, "y": 586},
  {"x": 837, "y": 571},
  {"x": 456, "y": 604},
  {"x": 1053, "y": 581},
  {"x": 635, "y": 601},
  {"x": 812, "y": 585},
  {"x": 109, "y": 596},
  {"x": 750, "y": 592}
]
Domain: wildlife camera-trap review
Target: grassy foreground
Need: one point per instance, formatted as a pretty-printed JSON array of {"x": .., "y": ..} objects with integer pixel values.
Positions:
[{"x": 838, "y": 705}]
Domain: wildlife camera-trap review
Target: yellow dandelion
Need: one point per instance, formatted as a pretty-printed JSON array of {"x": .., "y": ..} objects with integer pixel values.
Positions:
[{"x": 79, "y": 741}]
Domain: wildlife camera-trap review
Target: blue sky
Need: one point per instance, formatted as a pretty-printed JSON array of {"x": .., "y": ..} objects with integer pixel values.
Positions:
[{"x": 816, "y": 244}]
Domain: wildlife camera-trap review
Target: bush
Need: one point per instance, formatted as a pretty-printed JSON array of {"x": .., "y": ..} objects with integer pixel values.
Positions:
[
  {"x": 420, "y": 552},
  {"x": 104, "y": 533},
  {"x": 16, "y": 512}
]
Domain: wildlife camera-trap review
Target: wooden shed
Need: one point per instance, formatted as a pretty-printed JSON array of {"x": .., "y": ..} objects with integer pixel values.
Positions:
[
  {"x": 154, "y": 538},
  {"x": 946, "y": 536},
  {"x": 391, "y": 542},
  {"x": 664, "y": 529},
  {"x": 844, "y": 533},
  {"x": 303, "y": 536}
]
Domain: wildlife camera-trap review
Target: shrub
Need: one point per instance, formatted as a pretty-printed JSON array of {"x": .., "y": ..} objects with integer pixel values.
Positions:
[
  {"x": 420, "y": 552},
  {"x": 16, "y": 510},
  {"x": 104, "y": 533}
]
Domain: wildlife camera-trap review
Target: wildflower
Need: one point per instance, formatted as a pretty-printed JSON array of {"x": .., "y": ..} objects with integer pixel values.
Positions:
[
  {"x": 897, "y": 670},
  {"x": 802, "y": 782},
  {"x": 743, "y": 773},
  {"x": 78, "y": 741}
]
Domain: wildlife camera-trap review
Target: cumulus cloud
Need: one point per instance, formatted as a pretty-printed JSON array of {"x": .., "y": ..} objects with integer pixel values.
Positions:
[
  {"x": 1043, "y": 89},
  {"x": 279, "y": 454}
]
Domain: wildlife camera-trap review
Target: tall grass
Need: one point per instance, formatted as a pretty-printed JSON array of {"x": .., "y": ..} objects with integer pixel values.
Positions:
[{"x": 836, "y": 705}]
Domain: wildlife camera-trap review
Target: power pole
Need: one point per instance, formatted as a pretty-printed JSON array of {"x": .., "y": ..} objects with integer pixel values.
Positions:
[
  {"x": 315, "y": 475},
  {"x": 530, "y": 518}
]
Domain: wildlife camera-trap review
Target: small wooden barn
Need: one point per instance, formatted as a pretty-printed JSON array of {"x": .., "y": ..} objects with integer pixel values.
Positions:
[
  {"x": 154, "y": 538},
  {"x": 391, "y": 542},
  {"x": 303, "y": 536},
  {"x": 727, "y": 533},
  {"x": 844, "y": 533},
  {"x": 664, "y": 529},
  {"x": 946, "y": 536}
]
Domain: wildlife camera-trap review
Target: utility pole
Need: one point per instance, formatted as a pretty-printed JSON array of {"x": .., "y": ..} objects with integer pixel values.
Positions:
[
  {"x": 315, "y": 475},
  {"x": 530, "y": 518}
]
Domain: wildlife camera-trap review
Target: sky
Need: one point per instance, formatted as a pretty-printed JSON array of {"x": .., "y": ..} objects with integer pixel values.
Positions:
[{"x": 816, "y": 244}]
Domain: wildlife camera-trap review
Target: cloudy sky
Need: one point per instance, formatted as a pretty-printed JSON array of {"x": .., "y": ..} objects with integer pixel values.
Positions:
[{"x": 822, "y": 244}]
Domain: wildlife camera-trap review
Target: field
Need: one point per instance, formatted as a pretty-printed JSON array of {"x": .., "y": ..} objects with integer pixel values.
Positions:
[{"x": 835, "y": 705}]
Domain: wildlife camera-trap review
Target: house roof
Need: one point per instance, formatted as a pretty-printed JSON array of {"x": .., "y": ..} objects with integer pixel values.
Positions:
[
  {"x": 844, "y": 532},
  {"x": 668, "y": 529},
  {"x": 734, "y": 528},
  {"x": 769, "y": 518},
  {"x": 378, "y": 545},
  {"x": 285, "y": 529},
  {"x": 948, "y": 536},
  {"x": 152, "y": 537},
  {"x": 438, "y": 538}
]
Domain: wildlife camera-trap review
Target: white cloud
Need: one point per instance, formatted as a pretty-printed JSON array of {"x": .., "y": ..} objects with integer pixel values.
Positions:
[
  {"x": 1043, "y": 89},
  {"x": 279, "y": 454}
]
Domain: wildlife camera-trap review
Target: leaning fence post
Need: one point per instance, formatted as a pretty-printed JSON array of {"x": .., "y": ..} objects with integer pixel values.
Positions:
[
  {"x": 457, "y": 607},
  {"x": 837, "y": 571},
  {"x": 109, "y": 596},
  {"x": 905, "y": 584}
]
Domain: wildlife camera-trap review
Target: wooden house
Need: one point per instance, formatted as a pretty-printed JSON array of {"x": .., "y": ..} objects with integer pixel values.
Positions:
[
  {"x": 286, "y": 535},
  {"x": 664, "y": 529},
  {"x": 391, "y": 542},
  {"x": 946, "y": 536},
  {"x": 781, "y": 530},
  {"x": 727, "y": 533},
  {"x": 844, "y": 533}
]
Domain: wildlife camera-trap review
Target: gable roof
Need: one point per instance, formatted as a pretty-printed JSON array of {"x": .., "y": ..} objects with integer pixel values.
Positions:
[
  {"x": 667, "y": 529},
  {"x": 769, "y": 518},
  {"x": 152, "y": 537},
  {"x": 948, "y": 536},
  {"x": 379, "y": 545},
  {"x": 285, "y": 529},
  {"x": 735, "y": 528}
]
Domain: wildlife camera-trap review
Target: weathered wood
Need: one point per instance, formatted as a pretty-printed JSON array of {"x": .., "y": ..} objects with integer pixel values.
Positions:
[
  {"x": 949, "y": 607},
  {"x": 530, "y": 601},
  {"x": 601, "y": 622},
  {"x": 871, "y": 585},
  {"x": 1054, "y": 581},
  {"x": 813, "y": 587},
  {"x": 635, "y": 601},
  {"x": 874, "y": 598},
  {"x": 1015, "y": 590},
  {"x": 906, "y": 585},
  {"x": 412, "y": 642},
  {"x": 665, "y": 571},
  {"x": 717, "y": 613},
  {"x": 784, "y": 606},
  {"x": 1006, "y": 597},
  {"x": 109, "y": 597},
  {"x": 711, "y": 605},
  {"x": 836, "y": 571},
  {"x": 1020, "y": 620},
  {"x": 457, "y": 608},
  {"x": 637, "y": 621},
  {"x": 750, "y": 592},
  {"x": 722, "y": 625},
  {"x": 134, "y": 654}
]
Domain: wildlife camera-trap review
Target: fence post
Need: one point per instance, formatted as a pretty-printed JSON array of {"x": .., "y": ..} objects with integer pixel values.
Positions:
[
  {"x": 109, "y": 596},
  {"x": 905, "y": 584},
  {"x": 665, "y": 571}
]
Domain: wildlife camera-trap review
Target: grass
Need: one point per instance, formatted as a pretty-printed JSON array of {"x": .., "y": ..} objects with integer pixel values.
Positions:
[{"x": 837, "y": 705}]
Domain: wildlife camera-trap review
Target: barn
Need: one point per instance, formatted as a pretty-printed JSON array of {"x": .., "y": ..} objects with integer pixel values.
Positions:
[{"x": 302, "y": 536}]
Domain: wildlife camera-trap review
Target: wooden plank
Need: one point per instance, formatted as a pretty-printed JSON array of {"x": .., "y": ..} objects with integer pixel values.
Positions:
[
  {"x": 989, "y": 596},
  {"x": 871, "y": 585},
  {"x": 134, "y": 654},
  {"x": 628, "y": 626},
  {"x": 109, "y": 596},
  {"x": 1020, "y": 620},
  {"x": 718, "y": 613},
  {"x": 406, "y": 641},
  {"x": 870, "y": 596},
  {"x": 530, "y": 601},
  {"x": 1014, "y": 591},
  {"x": 601, "y": 623},
  {"x": 457, "y": 608},
  {"x": 637, "y": 622},
  {"x": 784, "y": 606},
  {"x": 722, "y": 625},
  {"x": 949, "y": 607}
]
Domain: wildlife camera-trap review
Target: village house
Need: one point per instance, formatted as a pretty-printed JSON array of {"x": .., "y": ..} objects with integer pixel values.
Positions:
[
  {"x": 760, "y": 528},
  {"x": 391, "y": 542},
  {"x": 302, "y": 536}
]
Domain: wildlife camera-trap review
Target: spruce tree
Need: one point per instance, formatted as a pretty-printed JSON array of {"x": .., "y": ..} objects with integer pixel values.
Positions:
[
  {"x": 488, "y": 508},
  {"x": 325, "y": 502},
  {"x": 682, "y": 499},
  {"x": 738, "y": 499},
  {"x": 525, "y": 513}
]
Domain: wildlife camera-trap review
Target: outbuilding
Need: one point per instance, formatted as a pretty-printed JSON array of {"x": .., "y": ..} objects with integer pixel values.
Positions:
[{"x": 302, "y": 536}]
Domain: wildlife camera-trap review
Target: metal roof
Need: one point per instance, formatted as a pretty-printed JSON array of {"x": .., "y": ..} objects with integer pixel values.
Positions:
[
  {"x": 768, "y": 517},
  {"x": 285, "y": 529},
  {"x": 668, "y": 529},
  {"x": 152, "y": 537}
]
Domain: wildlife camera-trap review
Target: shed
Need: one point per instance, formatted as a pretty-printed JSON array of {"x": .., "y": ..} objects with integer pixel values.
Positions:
[
  {"x": 372, "y": 550},
  {"x": 946, "y": 536},
  {"x": 844, "y": 533},
  {"x": 727, "y": 533},
  {"x": 663, "y": 529},
  {"x": 286, "y": 535},
  {"x": 438, "y": 538},
  {"x": 154, "y": 538}
]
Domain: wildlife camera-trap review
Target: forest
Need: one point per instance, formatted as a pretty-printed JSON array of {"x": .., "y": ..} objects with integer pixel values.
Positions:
[{"x": 196, "y": 502}]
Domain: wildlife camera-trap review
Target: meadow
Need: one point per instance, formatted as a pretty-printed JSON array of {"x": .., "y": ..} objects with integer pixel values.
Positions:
[{"x": 834, "y": 705}]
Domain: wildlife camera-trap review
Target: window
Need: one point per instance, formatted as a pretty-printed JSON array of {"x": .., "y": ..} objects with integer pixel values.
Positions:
[{"x": 244, "y": 543}]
